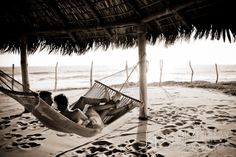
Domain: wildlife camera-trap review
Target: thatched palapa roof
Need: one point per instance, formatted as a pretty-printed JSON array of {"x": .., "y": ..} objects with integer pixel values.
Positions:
[{"x": 78, "y": 25}]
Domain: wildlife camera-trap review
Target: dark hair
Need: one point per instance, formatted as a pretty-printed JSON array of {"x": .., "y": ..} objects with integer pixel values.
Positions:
[
  {"x": 44, "y": 94},
  {"x": 62, "y": 102}
]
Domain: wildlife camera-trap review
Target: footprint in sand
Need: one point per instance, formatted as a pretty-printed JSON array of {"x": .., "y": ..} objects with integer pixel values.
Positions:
[
  {"x": 170, "y": 129},
  {"x": 211, "y": 127},
  {"x": 107, "y": 148},
  {"x": 28, "y": 145},
  {"x": 122, "y": 145},
  {"x": 212, "y": 143},
  {"x": 165, "y": 144},
  {"x": 4, "y": 124},
  {"x": 234, "y": 131},
  {"x": 197, "y": 122},
  {"x": 23, "y": 142},
  {"x": 131, "y": 140},
  {"x": 10, "y": 135},
  {"x": 21, "y": 145},
  {"x": 94, "y": 150},
  {"x": 102, "y": 143},
  {"x": 13, "y": 130},
  {"x": 179, "y": 123},
  {"x": 7, "y": 136},
  {"x": 20, "y": 123},
  {"x": 209, "y": 112}
]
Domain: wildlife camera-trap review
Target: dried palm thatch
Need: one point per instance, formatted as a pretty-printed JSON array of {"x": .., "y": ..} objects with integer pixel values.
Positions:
[{"x": 75, "y": 26}]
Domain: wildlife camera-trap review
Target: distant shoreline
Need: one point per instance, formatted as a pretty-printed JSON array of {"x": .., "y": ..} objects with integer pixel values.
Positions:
[{"x": 227, "y": 87}]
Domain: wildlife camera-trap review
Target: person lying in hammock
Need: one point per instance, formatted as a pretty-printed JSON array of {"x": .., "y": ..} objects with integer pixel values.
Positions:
[
  {"x": 46, "y": 96},
  {"x": 90, "y": 117},
  {"x": 98, "y": 104},
  {"x": 104, "y": 107}
]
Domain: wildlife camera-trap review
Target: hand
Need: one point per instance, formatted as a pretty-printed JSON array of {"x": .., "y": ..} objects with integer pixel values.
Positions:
[
  {"x": 104, "y": 100},
  {"x": 116, "y": 97},
  {"x": 86, "y": 122}
]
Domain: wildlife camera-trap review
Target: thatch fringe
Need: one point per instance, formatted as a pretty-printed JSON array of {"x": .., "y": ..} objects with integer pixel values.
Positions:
[
  {"x": 68, "y": 47},
  {"x": 77, "y": 26}
]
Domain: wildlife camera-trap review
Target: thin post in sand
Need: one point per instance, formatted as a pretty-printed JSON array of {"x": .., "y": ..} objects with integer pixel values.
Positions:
[
  {"x": 91, "y": 74},
  {"x": 56, "y": 68},
  {"x": 161, "y": 68},
  {"x": 13, "y": 74},
  {"x": 190, "y": 65},
  {"x": 127, "y": 72},
  {"x": 217, "y": 74}
]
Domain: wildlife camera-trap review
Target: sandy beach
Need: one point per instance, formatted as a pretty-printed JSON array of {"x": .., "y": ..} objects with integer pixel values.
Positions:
[{"x": 183, "y": 121}]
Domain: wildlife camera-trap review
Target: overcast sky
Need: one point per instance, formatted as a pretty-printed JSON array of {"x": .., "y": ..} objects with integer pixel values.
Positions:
[{"x": 198, "y": 51}]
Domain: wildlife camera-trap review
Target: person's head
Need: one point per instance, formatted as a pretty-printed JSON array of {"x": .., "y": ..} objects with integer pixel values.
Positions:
[
  {"x": 61, "y": 101},
  {"x": 46, "y": 96}
]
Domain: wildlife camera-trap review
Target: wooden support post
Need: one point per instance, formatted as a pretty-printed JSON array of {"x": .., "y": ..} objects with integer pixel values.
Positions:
[
  {"x": 24, "y": 64},
  {"x": 91, "y": 75},
  {"x": 142, "y": 72},
  {"x": 56, "y": 69},
  {"x": 217, "y": 74},
  {"x": 142, "y": 132},
  {"x": 13, "y": 74},
  {"x": 190, "y": 65}
]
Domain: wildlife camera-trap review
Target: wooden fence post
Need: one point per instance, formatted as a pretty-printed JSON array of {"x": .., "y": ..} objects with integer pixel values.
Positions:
[
  {"x": 56, "y": 67},
  {"x": 161, "y": 68},
  {"x": 191, "y": 70},
  {"x": 217, "y": 74},
  {"x": 13, "y": 73},
  {"x": 127, "y": 71},
  {"x": 91, "y": 74}
]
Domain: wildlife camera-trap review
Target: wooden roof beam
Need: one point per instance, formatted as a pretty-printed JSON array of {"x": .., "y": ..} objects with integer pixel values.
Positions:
[
  {"x": 135, "y": 8},
  {"x": 96, "y": 15},
  {"x": 159, "y": 25},
  {"x": 179, "y": 17},
  {"x": 76, "y": 29},
  {"x": 168, "y": 11}
]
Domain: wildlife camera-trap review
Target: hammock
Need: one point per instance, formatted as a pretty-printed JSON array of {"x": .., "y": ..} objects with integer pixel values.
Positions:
[{"x": 55, "y": 120}]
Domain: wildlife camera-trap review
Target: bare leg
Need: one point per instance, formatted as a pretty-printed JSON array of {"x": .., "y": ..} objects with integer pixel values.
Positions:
[
  {"x": 104, "y": 107},
  {"x": 95, "y": 119},
  {"x": 84, "y": 100},
  {"x": 120, "y": 109}
]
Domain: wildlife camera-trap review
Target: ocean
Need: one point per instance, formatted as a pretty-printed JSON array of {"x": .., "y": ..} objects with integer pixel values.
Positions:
[{"x": 75, "y": 77}]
